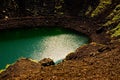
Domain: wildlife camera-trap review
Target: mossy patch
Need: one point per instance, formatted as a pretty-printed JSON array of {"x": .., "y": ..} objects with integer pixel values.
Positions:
[
  {"x": 88, "y": 10},
  {"x": 116, "y": 31},
  {"x": 114, "y": 20},
  {"x": 113, "y": 17},
  {"x": 101, "y": 7},
  {"x": 114, "y": 12}
]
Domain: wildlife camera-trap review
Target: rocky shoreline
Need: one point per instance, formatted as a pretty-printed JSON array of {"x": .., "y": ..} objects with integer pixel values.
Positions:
[
  {"x": 98, "y": 19},
  {"x": 97, "y": 60},
  {"x": 85, "y": 26}
]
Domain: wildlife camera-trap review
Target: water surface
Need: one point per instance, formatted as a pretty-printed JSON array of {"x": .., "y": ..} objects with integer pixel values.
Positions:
[{"x": 38, "y": 43}]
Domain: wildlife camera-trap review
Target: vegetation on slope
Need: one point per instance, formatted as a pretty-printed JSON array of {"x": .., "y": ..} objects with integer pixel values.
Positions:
[
  {"x": 106, "y": 13},
  {"x": 116, "y": 31}
]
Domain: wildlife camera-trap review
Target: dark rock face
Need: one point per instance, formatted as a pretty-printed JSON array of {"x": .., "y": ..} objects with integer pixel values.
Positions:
[
  {"x": 22, "y": 8},
  {"x": 86, "y": 26},
  {"x": 75, "y": 7}
]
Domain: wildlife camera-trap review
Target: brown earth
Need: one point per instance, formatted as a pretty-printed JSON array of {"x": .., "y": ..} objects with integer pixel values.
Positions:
[
  {"x": 86, "y": 26},
  {"x": 99, "y": 60}
]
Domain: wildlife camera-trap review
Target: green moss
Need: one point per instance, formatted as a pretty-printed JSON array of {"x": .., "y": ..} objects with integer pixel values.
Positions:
[
  {"x": 88, "y": 10},
  {"x": 101, "y": 7},
  {"x": 116, "y": 31},
  {"x": 114, "y": 12},
  {"x": 115, "y": 19}
]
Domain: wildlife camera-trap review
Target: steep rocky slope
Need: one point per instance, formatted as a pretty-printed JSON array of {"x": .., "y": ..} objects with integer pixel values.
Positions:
[
  {"x": 92, "y": 61},
  {"x": 99, "y": 19}
]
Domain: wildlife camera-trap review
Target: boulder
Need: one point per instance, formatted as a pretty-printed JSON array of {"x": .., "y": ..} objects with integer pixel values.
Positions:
[{"x": 46, "y": 62}]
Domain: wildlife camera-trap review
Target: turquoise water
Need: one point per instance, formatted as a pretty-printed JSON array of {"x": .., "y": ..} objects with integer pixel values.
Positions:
[{"x": 38, "y": 43}]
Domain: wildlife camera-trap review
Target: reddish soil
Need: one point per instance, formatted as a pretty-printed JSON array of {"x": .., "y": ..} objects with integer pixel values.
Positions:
[{"x": 99, "y": 60}]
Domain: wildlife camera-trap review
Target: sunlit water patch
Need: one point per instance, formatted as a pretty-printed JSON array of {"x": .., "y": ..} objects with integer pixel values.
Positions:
[{"x": 54, "y": 43}]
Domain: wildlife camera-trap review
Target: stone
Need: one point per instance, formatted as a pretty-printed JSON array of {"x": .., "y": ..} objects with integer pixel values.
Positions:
[{"x": 46, "y": 62}]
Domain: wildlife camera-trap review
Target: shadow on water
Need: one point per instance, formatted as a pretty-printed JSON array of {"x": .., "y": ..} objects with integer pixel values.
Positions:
[
  {"x": 14, "y": 34},
  {"x": 38, "y": 43}
]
